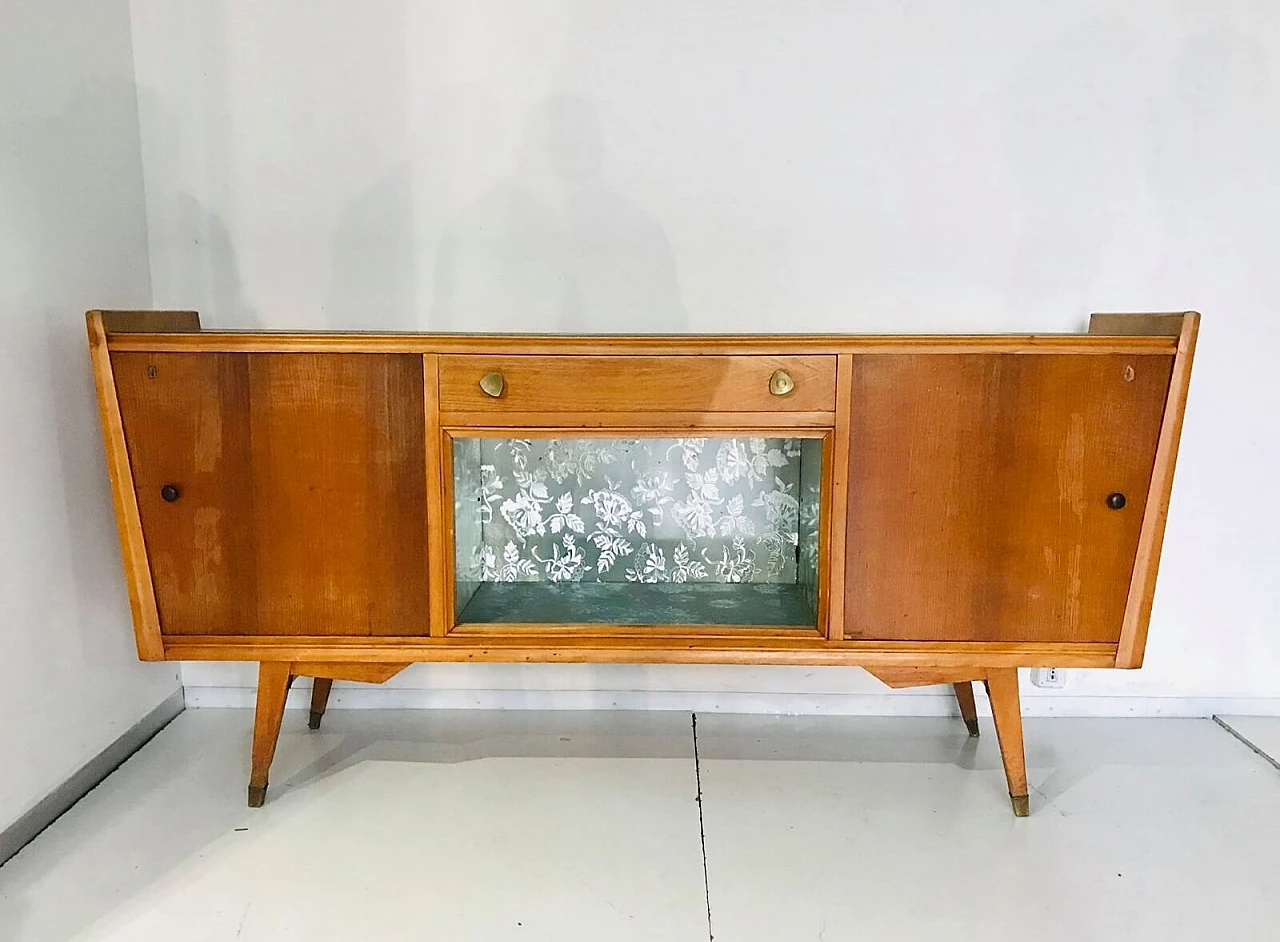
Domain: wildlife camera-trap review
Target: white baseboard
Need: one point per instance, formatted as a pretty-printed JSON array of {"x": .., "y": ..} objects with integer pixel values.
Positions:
[{"x": 933, "y": 702}]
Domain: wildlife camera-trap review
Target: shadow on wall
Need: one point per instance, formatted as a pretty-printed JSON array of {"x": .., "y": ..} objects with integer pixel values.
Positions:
[
  {"x": 1074, "y": 143},
  {"x": 376, "y": 268},
  {"x": 1212, "y": 152},
  {"x": 555, "y": 246},
  {"x": 194, "y": 263},
  {"x": 372, "y": 281},
  {"x": 72, "y": 236},
  {"x": 71, "y": 191}
]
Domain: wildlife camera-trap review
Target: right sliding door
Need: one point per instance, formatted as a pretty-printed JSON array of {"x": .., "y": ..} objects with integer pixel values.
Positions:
[{"x": 998, "y": 496}]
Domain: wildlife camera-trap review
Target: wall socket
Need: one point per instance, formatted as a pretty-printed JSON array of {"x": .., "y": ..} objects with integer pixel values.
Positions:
[{"x": 1049, "y": 677}]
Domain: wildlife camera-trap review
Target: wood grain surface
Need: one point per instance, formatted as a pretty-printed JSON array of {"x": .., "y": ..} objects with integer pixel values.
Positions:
[
  {"x": 977, "y": 494},
  {"x": 1006, "y": 712},
  {"x": 1142, "y": 590},
  {"x": 637, "y": 383},
  {"x": 133, "y": 550},
  {"x": 301, "y": 507},
  {"x": 214, "y": 341},
  {"x": 660, "y": 647}
]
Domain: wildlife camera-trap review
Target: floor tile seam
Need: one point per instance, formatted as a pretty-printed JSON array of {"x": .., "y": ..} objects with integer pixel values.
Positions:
[
  {"x": 1253, "y": 747},
  {"x": 702, "y": 827}
]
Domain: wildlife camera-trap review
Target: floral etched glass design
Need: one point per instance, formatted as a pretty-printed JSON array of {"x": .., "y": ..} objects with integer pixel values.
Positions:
[{"x": 584, "y": 525}]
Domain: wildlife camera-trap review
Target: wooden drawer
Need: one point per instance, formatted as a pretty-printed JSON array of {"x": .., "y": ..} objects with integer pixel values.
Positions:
[{"x": 637, "y": 384}]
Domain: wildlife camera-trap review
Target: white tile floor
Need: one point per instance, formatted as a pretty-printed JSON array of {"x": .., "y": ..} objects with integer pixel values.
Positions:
[{"x": 465, "y": 825}]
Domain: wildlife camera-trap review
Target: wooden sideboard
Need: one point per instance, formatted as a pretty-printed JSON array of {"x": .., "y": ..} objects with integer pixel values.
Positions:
[{"x": 934, "y": 509}]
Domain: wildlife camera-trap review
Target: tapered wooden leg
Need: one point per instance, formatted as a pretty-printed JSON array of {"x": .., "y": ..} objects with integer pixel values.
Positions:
[
  {"x": 274, "y": 678},
  {"x": 1002, "y": 688},
  {"x": 319, "y": 700},
  {"x": 968, "y": 709}
]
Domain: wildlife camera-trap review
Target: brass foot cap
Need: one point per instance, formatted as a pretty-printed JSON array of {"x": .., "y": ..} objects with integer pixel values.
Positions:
[
  {"x": 1021, "y": 808},
  {"x": 314, "y": 721},
  {"x": 257, "y": 796},
  {"x": 973, "y": 728}
]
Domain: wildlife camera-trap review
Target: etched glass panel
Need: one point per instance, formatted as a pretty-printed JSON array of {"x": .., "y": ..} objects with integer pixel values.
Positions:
[{"x": 637, "y": 531}]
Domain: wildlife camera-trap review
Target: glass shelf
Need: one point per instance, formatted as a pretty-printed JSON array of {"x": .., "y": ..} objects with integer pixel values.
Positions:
[{"x": 649, "y": 531}]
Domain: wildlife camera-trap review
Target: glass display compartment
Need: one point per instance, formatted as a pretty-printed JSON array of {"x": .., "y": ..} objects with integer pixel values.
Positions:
[{"x": 640, "y": 531}]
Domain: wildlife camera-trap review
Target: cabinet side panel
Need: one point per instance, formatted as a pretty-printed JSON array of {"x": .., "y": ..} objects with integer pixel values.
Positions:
[
  {"x": 137, "y": 569},
  {"x": 1137, "y": 616},
  {"x": 977, "y": 505}
]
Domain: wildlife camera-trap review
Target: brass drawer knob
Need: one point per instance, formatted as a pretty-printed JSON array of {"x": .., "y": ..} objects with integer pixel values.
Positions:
[
  {"x": 781, "y": 383},
  {"x": 492, "y": 384}
]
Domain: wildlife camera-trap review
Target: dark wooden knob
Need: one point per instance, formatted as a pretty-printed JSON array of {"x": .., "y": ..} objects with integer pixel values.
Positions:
[
  {"x": 1116, "y": 501},
  {"x": 170, "y": 493}
]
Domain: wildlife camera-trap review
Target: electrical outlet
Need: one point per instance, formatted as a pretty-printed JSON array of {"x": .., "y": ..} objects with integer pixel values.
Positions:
[{"x": 1049, "y": 677}]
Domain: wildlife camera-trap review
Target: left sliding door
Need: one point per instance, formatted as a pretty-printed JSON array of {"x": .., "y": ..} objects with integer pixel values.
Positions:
[{"x": 280, "y": 493}]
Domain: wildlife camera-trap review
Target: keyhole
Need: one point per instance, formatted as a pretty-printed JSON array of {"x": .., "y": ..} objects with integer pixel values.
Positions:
[
  {"x": 1128, "y": 374},
  {"x": 151, "y": 372}
]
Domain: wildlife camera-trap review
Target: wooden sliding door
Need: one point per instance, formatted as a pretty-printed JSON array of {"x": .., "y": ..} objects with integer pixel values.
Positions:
[
  {"x": 280, "y": 493},
  {"x": 997, "y": 497}
]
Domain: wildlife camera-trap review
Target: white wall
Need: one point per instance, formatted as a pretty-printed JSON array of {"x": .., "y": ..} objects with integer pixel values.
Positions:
[
  {"x": 72, "y": 236},
  {"x": 807, "y": 166}
]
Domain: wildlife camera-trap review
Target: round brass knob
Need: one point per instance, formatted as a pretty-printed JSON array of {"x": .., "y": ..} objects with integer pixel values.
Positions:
[
  {"x": 492, "y": 384},
  {"x": 1116, "y": 501},
  {"x": 169, "y": 493},
  {"x": 781, "y": 383}
]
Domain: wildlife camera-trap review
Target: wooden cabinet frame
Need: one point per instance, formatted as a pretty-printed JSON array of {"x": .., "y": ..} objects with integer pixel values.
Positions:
[{"x": 897, "y": 662}]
